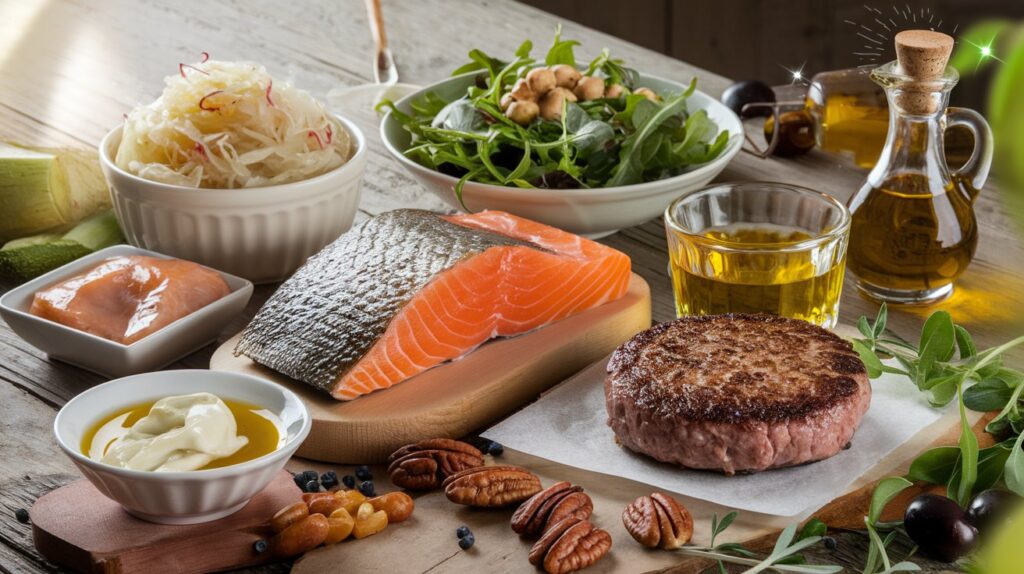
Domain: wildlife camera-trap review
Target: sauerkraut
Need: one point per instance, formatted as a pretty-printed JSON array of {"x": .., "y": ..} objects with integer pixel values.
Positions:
[{"x": 229, "y": 125}]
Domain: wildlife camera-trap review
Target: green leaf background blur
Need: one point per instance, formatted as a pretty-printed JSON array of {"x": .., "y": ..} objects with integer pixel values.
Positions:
[{"x": 1000, "y": 44}]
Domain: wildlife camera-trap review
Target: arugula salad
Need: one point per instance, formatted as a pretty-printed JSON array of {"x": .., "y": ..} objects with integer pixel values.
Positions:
[{"x": 557, "y": 124}]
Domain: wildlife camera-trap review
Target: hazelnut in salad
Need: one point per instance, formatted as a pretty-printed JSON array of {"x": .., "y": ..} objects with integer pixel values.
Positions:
[{"x": 557, "y": 123}]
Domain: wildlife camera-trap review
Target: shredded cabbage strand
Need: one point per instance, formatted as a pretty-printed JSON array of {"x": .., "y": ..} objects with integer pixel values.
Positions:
[{"x": 229, "y": 125}]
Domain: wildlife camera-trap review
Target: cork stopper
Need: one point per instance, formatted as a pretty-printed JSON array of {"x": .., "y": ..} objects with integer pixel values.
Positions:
[{"x": 922, "y": 56}]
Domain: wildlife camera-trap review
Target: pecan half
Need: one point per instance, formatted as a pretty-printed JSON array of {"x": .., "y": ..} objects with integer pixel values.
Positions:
[
  {"x": 424, "y": 465},
  {"x": 658, "y": 521},
  {"x": 549, "y": 506},
  {"x": 571, "y": 544},
  {"x": 491, "y": 486}
]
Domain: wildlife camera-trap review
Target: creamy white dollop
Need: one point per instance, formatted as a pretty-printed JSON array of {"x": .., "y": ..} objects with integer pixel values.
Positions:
[{"x": 184, "y": 432}]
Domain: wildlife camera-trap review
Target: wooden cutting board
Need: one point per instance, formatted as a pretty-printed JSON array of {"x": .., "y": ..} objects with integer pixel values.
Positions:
[
  {"x": 77, "y": 527},
  {"x": 463, "y": 396}
]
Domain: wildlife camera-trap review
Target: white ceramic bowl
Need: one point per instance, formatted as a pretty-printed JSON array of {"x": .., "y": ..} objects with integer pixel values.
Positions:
[
  {"x": 107, "y": 357},
  {"x": 181, "y": 497},
  {"x": 590, "y": 212},
  {"x": 260, "y": 233}
]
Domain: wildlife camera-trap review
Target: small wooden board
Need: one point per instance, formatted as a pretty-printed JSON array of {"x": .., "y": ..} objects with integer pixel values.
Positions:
[
  {"x": 77, "y": 527},
  {"x": 457, "y": 398}
]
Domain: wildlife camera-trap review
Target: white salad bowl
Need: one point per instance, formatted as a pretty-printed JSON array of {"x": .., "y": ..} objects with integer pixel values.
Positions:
[
  {"x": 590, "y": 212},
  {"x": 183, "y": 497},
  {"x": 110, "y": 358},
  {"x": 260, "y": 233}
]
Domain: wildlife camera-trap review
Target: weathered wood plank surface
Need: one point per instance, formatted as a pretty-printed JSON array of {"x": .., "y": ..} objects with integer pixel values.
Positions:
[{"x": 70, "y": 68}]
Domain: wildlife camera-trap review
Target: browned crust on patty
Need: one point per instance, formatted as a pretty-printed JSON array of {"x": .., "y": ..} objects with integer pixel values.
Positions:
[{"x": 736, "y": 368}]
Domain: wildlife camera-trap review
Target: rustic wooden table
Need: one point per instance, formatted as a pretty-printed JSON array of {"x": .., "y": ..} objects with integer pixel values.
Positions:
[{"x": 69, "y": 69}]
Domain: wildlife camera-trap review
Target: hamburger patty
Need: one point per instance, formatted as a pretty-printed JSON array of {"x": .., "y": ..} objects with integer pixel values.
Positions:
[{"x": 736, "y": 393}]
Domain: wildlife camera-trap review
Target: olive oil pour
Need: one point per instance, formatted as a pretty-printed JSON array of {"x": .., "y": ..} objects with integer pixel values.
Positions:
[{"x": 913, "y": 229}]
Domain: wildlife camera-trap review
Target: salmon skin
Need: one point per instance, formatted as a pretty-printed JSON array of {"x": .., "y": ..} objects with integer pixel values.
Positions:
[{"x": 410, "y": 289}]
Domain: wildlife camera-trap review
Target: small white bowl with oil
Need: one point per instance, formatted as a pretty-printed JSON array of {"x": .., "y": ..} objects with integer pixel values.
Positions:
[{"x": 182, "y": 497}]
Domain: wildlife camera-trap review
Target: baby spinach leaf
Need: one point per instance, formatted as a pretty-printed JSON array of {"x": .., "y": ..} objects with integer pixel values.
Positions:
[{"x": 459, "y": 116}]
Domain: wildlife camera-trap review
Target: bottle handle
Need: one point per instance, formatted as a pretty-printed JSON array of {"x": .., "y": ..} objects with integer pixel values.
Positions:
[{"x": 975, "y": 171}]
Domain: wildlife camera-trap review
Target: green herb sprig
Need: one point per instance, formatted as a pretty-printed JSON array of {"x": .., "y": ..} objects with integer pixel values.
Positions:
[
  {"x": 784, "y": 557},
  {"x": 947, "y": 365}
]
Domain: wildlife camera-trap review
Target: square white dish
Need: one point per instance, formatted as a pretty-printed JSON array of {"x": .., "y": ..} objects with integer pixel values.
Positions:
[{"x": 109, "y": 358}]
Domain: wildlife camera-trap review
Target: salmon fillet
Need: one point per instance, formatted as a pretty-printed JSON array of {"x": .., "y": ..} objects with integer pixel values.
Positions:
[
  {"x": 409, "y": 290},
  {"x": 127, "y": 298}
]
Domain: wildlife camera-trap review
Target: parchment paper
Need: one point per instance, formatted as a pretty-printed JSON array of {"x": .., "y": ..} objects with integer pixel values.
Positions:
[{"x": 568, "y": 425}]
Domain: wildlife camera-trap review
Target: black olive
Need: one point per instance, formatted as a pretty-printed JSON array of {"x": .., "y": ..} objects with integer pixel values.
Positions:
[
  {"x": 748, "y": 92},
  {"x": 796, "y": 136},
  {"x": 940, "y": 527},
  {"x": 990, "y": 508}
]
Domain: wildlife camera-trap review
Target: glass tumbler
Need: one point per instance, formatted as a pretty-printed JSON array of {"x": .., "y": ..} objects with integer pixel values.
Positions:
[{"x": 758, "y": 247}]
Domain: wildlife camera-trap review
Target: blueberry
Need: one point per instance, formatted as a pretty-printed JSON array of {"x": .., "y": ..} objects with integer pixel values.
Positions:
[
  {"x": 463, "y": 531},
  {"x": 366, "y": 487},
  {"x": 467, "y": 541},
  {"x": 349, "y": 481},
  {"x": 329, "y": 479},
  {"x": 495, "y": 449},
  {"x": 830, "y": 543},
  {"x": 260, "y": 546},
  {"x": 300, "y": 480},
  {"x": 363, "y": 473},
  {"x": 22, "y": 515},
  {"x": 310, "y": 475},
  {"x": 312, "y": 486}
]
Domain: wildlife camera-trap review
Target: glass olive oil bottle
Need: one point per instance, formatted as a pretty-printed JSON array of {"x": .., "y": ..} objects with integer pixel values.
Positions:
[{"x": 913, "y": 228}]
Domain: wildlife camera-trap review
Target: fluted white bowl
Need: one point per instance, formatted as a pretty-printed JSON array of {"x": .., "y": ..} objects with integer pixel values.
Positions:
[
  {"x": 260, "y": 233},
  {"x": 181, "y": 497}
]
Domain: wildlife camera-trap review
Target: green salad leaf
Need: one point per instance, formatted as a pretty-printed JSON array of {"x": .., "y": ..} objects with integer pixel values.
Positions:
[{"x": 608, "y": 141}]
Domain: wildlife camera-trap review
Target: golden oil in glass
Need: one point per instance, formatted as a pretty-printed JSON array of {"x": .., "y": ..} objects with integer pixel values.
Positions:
[{"x": 755, "y": 268}]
